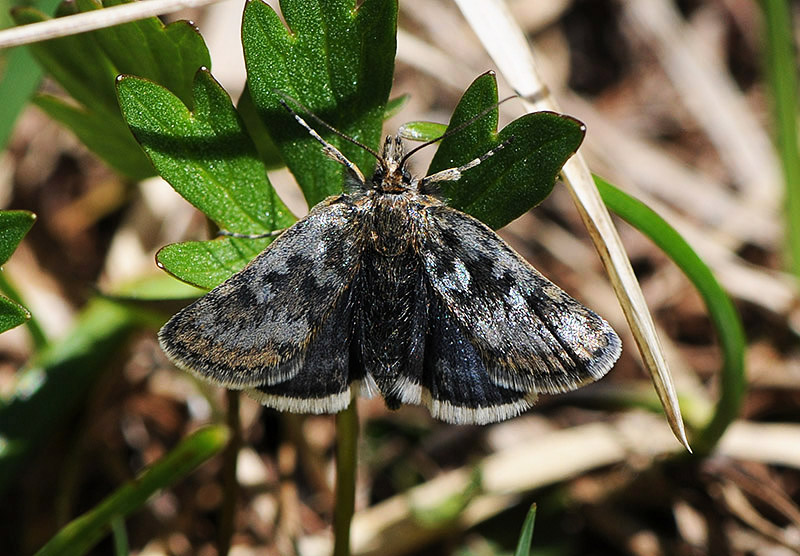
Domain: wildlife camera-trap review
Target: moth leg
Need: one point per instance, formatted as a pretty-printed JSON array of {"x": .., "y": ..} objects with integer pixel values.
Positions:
[
  {"x": 273, "y": 233},
  {"x": 454, "y": 174}
]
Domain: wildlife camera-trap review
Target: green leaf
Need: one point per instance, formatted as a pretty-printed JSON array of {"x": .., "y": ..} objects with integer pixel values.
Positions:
[
  {"x": 20, "y": 79},
  {"x": 80, "y": 535},
  {"x": 335, "y": 60},
  {"x": 14, "y": 224},
  {"x": 158, "y": 287},
  {"x": 76, "y": 63},
  {"x": 207, "y": 264},
  {"x": 79, "y": 65},
  {"x": 394, "y": 106},
  {"x": 421, "y": 131},
  {"x": 108, "y": 137},
  {"x": 11, "y": 314},
  {"x": 266, "y": 147},
  {"x": 169, "y": 55},
  {"x": 526, "y": 535},
  {"x": 208, "y": 157},
  {"x": 516, "y": 178},
  {"x": 206, "y": 154},
  {"x": 86, "y": 65}
]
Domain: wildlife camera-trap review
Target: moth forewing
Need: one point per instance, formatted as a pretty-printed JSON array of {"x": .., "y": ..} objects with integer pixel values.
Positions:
[
  {"x": 530, "y": 334},
  {"x": 255, "y": 328}
]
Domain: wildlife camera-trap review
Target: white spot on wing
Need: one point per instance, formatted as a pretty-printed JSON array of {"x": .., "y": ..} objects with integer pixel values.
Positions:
[{"x": 459, "y": 279}]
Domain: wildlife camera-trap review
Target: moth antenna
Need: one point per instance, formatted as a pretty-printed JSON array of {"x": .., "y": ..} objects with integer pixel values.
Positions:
[
  {"x": 453, "y": 174},
  {"x": 456, "y": 129},
  {"x": 329, "y": 150},
  {"x": 322, "y": 122}
]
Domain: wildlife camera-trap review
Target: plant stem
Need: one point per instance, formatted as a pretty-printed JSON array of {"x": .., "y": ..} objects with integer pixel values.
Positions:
[
  {"x": 230, "y": 487},
  {"x": 346, "y": 464},
  {"x": 779, "y": 58}
]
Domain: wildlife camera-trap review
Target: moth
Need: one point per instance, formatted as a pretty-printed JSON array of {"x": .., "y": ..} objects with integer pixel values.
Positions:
[{"x": 386, "y": 289}]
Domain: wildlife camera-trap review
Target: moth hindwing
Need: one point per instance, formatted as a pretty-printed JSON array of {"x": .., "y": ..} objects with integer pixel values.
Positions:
[{"x": 387, "y": 289}]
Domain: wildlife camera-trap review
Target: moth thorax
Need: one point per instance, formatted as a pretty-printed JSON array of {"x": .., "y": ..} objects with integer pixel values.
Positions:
[{"x": 392, "y": 225}]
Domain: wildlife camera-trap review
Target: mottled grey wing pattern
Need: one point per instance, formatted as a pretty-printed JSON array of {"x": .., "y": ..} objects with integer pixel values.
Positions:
[
  {"x": 323, "y": 384},
  {"x": 529, "y": 334},
  {"x": 456, "y": 387},
  {"x": 255, "y": 329}
]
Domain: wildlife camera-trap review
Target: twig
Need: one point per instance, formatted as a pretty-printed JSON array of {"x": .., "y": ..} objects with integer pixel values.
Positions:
[
  {"x": 509, "y": 49},
  {"x": 90, "y": 21}
]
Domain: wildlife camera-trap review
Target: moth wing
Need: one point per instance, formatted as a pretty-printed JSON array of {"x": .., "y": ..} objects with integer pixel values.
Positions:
[
  {"x": 530, "y": 335},
  {"x": 456, "y": 386},
  {"x": 329, "y": 368},
  {"x": 255, "y": 329}
]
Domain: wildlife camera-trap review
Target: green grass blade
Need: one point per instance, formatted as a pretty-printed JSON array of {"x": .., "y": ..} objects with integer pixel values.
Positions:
[
  {"x": 721, "y": 310},
  {"x": 80, "y": 535},
  {"x": 781, "y": 70},
  {"x": 526, "y": 536}
]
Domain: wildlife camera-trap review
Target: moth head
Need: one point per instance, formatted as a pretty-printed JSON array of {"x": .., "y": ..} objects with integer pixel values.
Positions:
[
  {"x": 391, "y": 174},
  {"x": 392, "y": 154}
]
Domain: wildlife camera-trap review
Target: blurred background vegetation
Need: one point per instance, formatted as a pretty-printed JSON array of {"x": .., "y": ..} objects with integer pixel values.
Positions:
[{"x": 690, "y": 106}]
